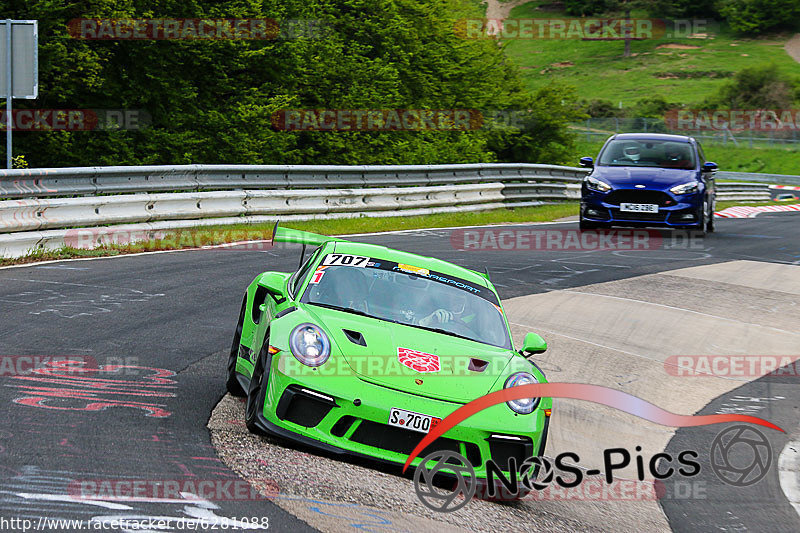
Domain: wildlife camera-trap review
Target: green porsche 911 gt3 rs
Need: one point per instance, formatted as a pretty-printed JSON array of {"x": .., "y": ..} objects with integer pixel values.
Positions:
[{"x": 364, "y": 349}]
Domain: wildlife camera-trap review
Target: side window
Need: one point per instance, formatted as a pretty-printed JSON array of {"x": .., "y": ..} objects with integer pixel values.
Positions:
[
  {"x": 701, "y": 154},
  {"x": 299, "y": 277}
]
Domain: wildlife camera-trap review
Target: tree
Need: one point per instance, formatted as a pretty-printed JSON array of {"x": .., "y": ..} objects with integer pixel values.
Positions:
[
  {"x": 584, "y": 8},
  {"x": 211, "y": 101},
  {"x": 759, "y": 16},
  {"x": 705, "y": 9},
  {"x": 625, "y": 7}
]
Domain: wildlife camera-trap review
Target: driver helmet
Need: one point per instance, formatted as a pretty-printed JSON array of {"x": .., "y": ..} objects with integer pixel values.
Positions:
[
  {"x": 674, "y": 153},
  {"x": 632, "y": 152}
]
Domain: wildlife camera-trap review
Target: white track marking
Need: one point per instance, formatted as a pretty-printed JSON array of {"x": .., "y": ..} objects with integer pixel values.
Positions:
[{"x": 681, "y": 309}]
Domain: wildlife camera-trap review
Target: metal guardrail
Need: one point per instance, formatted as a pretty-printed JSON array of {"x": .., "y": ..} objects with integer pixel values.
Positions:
[
  {"x": 758, "y": 192},
  {"x": 777, "y": 179},
  {"x": 24, "y": 183},
  {"x": 45, "y": 206}
]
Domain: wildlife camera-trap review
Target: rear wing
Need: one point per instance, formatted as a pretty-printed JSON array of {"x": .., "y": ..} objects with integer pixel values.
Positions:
[{"x": 281, "y": 234}]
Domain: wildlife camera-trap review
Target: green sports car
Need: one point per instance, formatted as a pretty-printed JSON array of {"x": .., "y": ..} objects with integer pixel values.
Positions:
[{"x": 364, "y": 349}]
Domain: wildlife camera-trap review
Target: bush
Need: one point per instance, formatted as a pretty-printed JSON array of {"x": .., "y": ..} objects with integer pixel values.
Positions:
[
  {"x": 761, "y": 87},
  {"x": 602, "y": 109}
]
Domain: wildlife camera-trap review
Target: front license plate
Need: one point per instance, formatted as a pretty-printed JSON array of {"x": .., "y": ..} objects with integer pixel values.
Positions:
[
  {"x": 639, "y": 208},
  {"x": 411, "y": 420}
]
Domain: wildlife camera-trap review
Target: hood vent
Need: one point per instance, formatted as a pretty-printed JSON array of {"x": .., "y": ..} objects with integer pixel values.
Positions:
[
  {"x": 477, "y": 365},
  {"x": 355, "y": 337}
]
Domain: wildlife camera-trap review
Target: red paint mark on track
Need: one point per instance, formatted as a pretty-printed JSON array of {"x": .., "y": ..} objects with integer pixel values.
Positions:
[{"x": 68, "y": 390}]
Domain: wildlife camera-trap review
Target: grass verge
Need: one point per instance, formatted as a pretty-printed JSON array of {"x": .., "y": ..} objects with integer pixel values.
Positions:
[
  {"x": 206, "y": 236},
  {"x": 731, "y": 203},
  {"x": 683, "y": 69}
]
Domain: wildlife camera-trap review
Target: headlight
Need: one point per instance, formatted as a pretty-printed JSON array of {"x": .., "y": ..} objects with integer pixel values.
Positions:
[
  {"x": 684, "y": 188},
  {"x": 310, "y": 345},
  {"x": 597, "y": 185},
  {"x": 524, "y": 406}
]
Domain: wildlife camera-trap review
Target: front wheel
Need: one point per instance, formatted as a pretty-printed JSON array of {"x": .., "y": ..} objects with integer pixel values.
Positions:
[
  {"x": 710, "y": 221},
  {"x": 257, "y": 392},
  {"x": 700, "y": 227},
  {"x": 232, "y": 384},
  {"x": 584, "y": 225}
]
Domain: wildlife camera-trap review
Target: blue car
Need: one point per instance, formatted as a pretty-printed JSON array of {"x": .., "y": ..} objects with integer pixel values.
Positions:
[{"x": 645, "y": 179}]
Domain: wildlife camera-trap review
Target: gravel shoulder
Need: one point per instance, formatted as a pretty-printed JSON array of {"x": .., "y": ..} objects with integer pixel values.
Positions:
[
  {"x": 333, "y": 496},
  {"x": 792, "y": 47}
]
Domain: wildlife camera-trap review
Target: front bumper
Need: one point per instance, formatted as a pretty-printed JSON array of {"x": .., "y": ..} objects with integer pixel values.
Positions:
[
  {"x": 682, "y": 211},
  {"x": 346, "y": 415}
]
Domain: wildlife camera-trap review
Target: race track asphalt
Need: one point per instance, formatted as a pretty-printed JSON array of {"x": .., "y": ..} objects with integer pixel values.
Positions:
[{"x": 154, "y": 330}]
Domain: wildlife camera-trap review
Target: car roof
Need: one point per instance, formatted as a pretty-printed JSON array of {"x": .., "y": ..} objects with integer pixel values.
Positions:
[
  {"x": 389, "y": 254},
  {"x": 652, "y": 137}
]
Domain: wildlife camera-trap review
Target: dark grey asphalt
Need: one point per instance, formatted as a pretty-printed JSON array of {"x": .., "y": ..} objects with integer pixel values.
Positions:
[{"x": 176, "y": 312}]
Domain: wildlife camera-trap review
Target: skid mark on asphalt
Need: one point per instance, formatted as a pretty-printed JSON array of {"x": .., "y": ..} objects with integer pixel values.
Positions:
[{"x": 66, "y": 303}]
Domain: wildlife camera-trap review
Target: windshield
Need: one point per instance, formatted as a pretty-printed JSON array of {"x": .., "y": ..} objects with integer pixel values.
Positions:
[
  {"x": 648, "y": 153},
  {"x": 408, "y": 295}
]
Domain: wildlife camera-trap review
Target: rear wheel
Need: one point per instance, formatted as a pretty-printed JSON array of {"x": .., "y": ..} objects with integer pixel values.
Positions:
[
  {"x": 257, "y": 392},
  {"x": 232, "y": 384}
]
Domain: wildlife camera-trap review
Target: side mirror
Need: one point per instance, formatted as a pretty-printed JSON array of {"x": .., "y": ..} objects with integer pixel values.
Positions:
[
  {"x": 587, "y": 162},
  {"x": 275, "y": 284},
  {"x": 533, "y": 344},
  {"x": 708, "y": 166}
]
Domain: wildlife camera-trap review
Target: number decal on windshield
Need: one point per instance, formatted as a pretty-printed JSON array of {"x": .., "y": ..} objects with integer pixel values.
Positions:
[{"x": 345, "y": 260}]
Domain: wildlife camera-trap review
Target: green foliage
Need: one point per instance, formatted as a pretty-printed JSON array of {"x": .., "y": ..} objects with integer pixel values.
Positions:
[
  {"x": 211, "y": 101},
  {"x": 759, "y": 16},
  {"x": 18, "y": 161},
  {"x": 542, "y": 135},
  {"x": 602, "y": 109},
  {"x": 704, "y": 9},
  {"x": 651, "y": 107},
  {"x": 760, "y": 87},
  {"x": 584, "y": 8}
]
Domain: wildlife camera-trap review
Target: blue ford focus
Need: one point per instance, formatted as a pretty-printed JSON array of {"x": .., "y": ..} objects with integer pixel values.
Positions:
[{"x": 645, "y": 179}]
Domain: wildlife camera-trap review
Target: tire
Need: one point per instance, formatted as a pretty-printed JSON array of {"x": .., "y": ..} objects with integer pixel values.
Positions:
[
  {"x": 257, "y": 392},
  {"x": 700, "y": 228},
  {"x": 232, "y": 384},
  {"x": 585, "y": 225},
  {"x": 710, "y": 221}
]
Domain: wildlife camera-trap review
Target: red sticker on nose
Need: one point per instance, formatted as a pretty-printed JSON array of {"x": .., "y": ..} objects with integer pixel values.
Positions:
[{"x": 419, "y": 361}]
